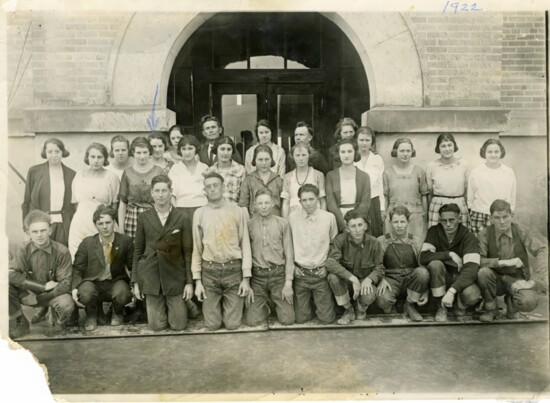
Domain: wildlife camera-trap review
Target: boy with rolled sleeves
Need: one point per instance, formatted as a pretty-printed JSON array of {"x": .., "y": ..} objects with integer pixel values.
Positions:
[
  {"x": 272, "y": 263},
  {"x": 40, "y": 275}
]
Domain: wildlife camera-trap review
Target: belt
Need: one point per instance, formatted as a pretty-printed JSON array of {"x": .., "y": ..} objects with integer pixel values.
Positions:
[
  {"x": 347, "y": 205},
  {"x": 274, "y": 267},
  {"x": 56, "y": 212},
  {"x": 448, "y": 197},
  {"x": 305, "y": 268},
  {"x": 222, "y": 264}
]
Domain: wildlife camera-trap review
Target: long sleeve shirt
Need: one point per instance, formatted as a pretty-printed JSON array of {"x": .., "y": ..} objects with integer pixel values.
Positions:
[
  {"x": 346, "y": 258},
  {"x": 311, "y": 237},
  {"x": 52, "y": 263},
  {"x": 505, "y": 245},
  {"x": 485, "y": 185},
  {"x": 220, "y": 234},
  {"x": 271, "y": 242},
  {"x": 465, "y": 245}
]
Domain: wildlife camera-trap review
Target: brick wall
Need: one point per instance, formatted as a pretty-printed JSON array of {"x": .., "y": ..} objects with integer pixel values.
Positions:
[
  {"x": 461, "y": 58},
  {"x": 523, "y": 61},
  {"x": 70, "y": 54}
]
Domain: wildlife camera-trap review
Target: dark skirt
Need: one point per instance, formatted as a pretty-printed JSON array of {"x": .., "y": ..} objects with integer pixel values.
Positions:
[{"x": 376, "y": 226}]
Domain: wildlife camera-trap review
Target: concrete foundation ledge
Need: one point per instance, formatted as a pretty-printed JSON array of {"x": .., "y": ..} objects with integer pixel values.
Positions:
[
  {"x": 434, "y": 119},
  {"x": 82, "y": 119}
]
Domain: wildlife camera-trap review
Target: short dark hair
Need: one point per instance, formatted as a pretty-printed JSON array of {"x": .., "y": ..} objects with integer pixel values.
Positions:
[
  {"x": 445, "y": 137},
  {"x": 449, "y": 208},
  {"x": 264, "y": 123},
  {"x": 209, "y": 118},
  {"x": 58, "y": 143},
  {"x": 141, "y": 142},
  {"x": 99, "y": 147},
  {"x": 263, "y": 148},
  {"x": 176, "y": 127},
  {"x": 119, "y": 139},
  {"x": 500, "y": 205},
  {"x": 400, "y": 210},
  {"x": 487, "y": 143},
  {"x": 263, "y": 191},
  {"x": 161, "y": 179},
  {"x": 371, "y": 133},
  {"x": 188, "y": 140},
  {"x": 344, "y": 122},
  {"x": 104, "y": 210},
  {"x": 308, "y": 187},
  {"x": 212, "y": 174},
  {"x": 356, "y": 213},
  {"x": 398, "y": 142},
  {"x": 159, "y": 136},
  {"x": 304, "y": 124},
  {"x": 356, "y": 156},
  {"x": 223, "y": 140},
  {"x": 36, "y": 216}
]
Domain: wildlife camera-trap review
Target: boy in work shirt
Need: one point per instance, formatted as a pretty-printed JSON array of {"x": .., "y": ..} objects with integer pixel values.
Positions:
[{"x": 272, "y": 263}]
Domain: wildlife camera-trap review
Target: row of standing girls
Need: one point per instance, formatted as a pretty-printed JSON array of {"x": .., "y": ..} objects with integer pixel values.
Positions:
[{"x": 359, "y": 179}]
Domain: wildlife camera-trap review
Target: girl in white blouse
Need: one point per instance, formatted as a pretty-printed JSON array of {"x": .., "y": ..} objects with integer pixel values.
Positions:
[
  {"x": 372, "y": 164},
  {"x": 488, "y": 182}
]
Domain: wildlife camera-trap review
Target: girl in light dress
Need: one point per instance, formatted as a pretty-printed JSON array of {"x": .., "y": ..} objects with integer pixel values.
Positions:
[
  {"x": 372, "y": 164},
  {"x": 302, "y": 174}
]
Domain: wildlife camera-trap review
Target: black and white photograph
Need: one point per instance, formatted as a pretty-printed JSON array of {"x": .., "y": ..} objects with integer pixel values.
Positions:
[{"x": 274, "y": 201}]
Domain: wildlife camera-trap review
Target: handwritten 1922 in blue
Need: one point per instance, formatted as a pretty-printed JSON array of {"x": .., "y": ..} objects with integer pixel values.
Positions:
[{"x": 460, "y": 7}]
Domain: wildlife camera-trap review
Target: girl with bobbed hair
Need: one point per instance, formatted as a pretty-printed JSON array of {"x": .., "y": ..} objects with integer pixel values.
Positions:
[
  {"x": 372, "y": 164},
  {"x": 405, "y": 185},
  {"x": 49, "y": 188},
  {"x": 187, "y": 176},
  {"x": 175, "y": 133},
  {"x": 295, "y": 179},
  {"x": 160, "y": 146},
  {"x": 135, "y": 186},
  {"x": 120, "y": 155},
  {"x": 348, "y": 187},
  {"x": 262, "y": 178},
  {"x": 346, "y": 128},
  {"x": 489, "y": 182},
  {"x": 232, "y": 172},
  {"x": 447, "y": 179},
  {"x": 92, "y": 187},
  {"x": 264, "y": 135}
]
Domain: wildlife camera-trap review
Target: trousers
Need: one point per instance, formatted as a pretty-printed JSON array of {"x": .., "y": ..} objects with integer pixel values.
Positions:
[
  {"x": 63, "y": 304},
  {"x": 410, "y": 282},
  {"x": 442, "y": 277},
  {"x": 222, "y": 305},
  {"x": 166, "y": 310},
  {"x": 493, "y": 284},
  {"x": 269, "y": 283},
  {"x": 311, "y": 284},
  {"x": 342, "y": 289},
  {"x": 90, "y": 293}
]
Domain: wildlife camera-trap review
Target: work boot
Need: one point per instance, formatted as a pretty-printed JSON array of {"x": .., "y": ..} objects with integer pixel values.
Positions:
[
  {"x": 489, "y": 316},
  {"x": 19, "y": 327},
  {"x": 347, "y": 317},
  {"x": 40, "y": 314},
  {"x": 73, "y": 320},
  {"x": 410, "y": 310},
  {"x": 193, "y": 310},
  {"x": 90, "y": 323},
  {"x": 459, "y": 311},
  {"x": 441, "y": 314},
  {"x": 361, "y": 311},
  {"x": 511, "y": 312},
  {"x": 102, "y": 318},
  {"x": 117, "y": 319}
]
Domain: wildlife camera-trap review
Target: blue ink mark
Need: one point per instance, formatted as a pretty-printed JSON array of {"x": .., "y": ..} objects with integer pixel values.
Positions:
[
  {"x": 151, "y": 121},
  {"x": 461, "y": 7}
]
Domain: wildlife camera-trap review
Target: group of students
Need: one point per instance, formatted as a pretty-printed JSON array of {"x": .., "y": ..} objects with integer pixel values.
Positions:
[{"x": 187, "y": 221}]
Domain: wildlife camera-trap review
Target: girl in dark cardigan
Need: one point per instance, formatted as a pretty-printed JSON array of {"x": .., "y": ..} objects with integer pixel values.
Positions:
[
  {"x": 49, "y": 188},
  {"x": 347, "y": 187}
]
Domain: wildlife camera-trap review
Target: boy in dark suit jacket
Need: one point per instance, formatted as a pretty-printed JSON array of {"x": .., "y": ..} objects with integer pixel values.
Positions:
[
  {"x": 101, "y": 269},
  {"x": 162, "y": 259}
]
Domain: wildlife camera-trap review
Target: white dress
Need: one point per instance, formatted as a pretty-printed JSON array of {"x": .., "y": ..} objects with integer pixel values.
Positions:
[{"x": 89, "y": 192}]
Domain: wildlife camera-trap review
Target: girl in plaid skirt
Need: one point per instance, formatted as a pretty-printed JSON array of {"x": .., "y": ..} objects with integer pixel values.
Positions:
[
  {"x": 489, "y": 182},
  {"x": 447, "y": 179}
]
